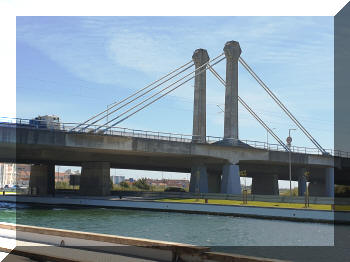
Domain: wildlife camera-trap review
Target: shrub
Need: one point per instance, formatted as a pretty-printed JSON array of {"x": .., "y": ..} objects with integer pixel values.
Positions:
[
  {"x": 142, "y": 184},
  {"x": 124, "y": 184}
]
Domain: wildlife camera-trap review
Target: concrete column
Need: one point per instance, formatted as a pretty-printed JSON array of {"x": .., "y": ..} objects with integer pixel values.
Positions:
[
  {"x": 214, "y": 182},
  {"x": 232, "y": 52},
  {"x": 265, "y": 184},
  {"x": 230, "y": 183},
  {"x": 95, "y": 179},
  {"x": 329, "y": 182},
  {"x": 323, "y": 184},
  {"x": 42, "y": 178},
  {"x": 199, "y": 179},
  {"x": 200, "y": 57},
  {"x": 301, "y": 181}
]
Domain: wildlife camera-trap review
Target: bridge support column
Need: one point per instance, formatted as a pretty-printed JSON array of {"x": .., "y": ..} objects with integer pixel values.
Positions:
[
  {"x": 95, "y": 179},
  {"x": 231, "y": 182},
  {"x": 264, "y": 184},
  {"x": 200, "y": 57},
  {"x": 199, "y": 179},
  {"x": 232, "y": 52},
  {"x": 214, "y": 182},
  {"x": 324, "y": 186},
  {"x": 42, "y": 178},
  {"x": 329, "y": 172},
  {"x": 301, "y": 181}
]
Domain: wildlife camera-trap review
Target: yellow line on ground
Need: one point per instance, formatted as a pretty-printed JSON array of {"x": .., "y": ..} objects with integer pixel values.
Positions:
[{"x": 250, "y": 203}]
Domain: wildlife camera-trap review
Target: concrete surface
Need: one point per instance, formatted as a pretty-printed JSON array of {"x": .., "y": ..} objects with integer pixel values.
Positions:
[
  {"x": 200, "y": 57},
  {"x": 232, "y": 52}
]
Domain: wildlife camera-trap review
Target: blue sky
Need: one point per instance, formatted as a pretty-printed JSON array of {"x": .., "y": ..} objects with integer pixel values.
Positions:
[{"x": 74, "y": 66}]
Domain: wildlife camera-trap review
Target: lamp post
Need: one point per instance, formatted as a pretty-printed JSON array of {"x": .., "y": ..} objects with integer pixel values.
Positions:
[
  {"x": 289, "y": 143},
  {"x": 267, "y": 137}
]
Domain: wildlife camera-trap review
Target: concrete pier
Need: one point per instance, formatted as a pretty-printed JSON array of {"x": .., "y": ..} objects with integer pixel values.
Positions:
[
  {"x": 323, "y": 184},
  {"x": 95, "y": 179},
  {"x": 232, "y": 52},
  {"x": 329, "y": 182},
  {"x": 42, "y": 178},
  {"x": 265, "y": 184},
  {"x": 301, "y": 181},
  {"x": 231, "y": 183},
  {"x": 214, "y": 182},
  {"x": 199, "y": 179},
  {"x": 200, "y": 57}
]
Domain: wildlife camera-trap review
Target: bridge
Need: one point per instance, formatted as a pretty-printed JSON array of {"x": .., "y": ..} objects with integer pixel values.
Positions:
[{"x": 214, "y": 162}]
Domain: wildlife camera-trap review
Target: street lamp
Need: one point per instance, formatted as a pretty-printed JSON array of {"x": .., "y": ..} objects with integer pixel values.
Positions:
[
  {"x": 289, "y": 143},
  {"x": 267, "y": 137}
]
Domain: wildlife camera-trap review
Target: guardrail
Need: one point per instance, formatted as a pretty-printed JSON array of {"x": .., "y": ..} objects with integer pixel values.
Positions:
[{"x": 127, "y": 132}]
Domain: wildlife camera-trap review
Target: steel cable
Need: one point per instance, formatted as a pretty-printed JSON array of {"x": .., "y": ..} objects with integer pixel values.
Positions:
[
  {"x": 151, "y": 84},
  {"x": 280, "y": 104},
  {"x": 162, "y": 94}
]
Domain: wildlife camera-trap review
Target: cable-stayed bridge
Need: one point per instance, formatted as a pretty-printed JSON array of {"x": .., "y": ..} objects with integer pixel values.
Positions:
[{"x": 215, "y": 163}]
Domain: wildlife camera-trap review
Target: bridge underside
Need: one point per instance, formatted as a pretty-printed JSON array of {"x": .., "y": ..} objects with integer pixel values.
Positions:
[
  {"x": 37, "y": 154},
  {"x": 213, "y": 167},
  {"x": 217, "y": 176}
]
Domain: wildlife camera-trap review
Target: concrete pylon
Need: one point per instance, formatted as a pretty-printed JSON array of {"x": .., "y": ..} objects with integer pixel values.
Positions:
[
  {"x": 199, "y": 179},
  {"x": 264, "y": 184},
  {"x": 231, "y": 182},
  {"x": 42, "y": 178},
  {"x": 301, "y": 181},
  {"x": 200, "y": 57},
  {"x": 232, "y": 52},
  {"x": 95, "y": 179}
]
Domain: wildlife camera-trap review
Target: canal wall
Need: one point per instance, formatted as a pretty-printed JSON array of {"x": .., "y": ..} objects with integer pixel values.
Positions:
[
  {"x": 244, "y": 211},
  {"x": 36, "y": 241}
]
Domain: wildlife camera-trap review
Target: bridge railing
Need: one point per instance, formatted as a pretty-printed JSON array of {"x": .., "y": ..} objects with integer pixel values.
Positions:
[{"x": 127, "y": 132}]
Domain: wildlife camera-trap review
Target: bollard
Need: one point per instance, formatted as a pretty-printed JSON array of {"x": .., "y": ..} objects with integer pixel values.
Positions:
[
  {"x": 206, "y": 200},
  {"x": 3, "y": 192},
  {"x": 245, "y": 196}
]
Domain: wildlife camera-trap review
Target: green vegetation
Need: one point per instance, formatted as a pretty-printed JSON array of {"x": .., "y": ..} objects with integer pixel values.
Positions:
[
  {"x": 65, "y": 185},
  {"x": 142, "y": 184},
  {"x": 123, "y": 184},
  {"x": 342, "y": 191},
  {"x": 285, "y": 192},
  {"x": 137, "y": 186},
  {"x": 250, "y": 203}
]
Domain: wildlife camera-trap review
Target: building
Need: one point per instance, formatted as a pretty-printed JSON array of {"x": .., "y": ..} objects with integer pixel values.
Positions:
[
  {"x": 64, "y": 177},
  {"x": 22, "y": 175},
  {"x": 169, "y": 182},
  {"x": 48, "y": 121},
  {"x": 14, "y": 174},
  {"x": 117, "y": 179}
]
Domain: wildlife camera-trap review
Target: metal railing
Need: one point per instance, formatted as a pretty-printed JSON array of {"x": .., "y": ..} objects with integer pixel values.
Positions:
[{"x": 127, "y": 132}]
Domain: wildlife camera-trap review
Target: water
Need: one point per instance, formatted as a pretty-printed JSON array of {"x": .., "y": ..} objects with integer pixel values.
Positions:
[{"x": 207, "y": 230}]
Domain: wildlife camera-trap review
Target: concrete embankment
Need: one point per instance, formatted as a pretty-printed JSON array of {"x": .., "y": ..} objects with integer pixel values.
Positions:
[
  {"x": 245, "y": 211},
  {"x": 67, "y": 245}
]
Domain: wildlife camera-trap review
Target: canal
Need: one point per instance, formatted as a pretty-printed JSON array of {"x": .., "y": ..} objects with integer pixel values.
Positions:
[{"x": 197, "y": 229}]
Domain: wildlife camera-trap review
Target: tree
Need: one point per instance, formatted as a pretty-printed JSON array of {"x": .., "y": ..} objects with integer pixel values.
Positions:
[
  {"x": 124, "y": 184},
  {"x": 142, "y": 184}
]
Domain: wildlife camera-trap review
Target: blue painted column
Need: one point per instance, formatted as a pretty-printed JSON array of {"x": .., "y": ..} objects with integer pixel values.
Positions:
[
  {"x": 301, "y": 181},
  {"x": 329, "y": 182},
  {"x": 230, "y": 183},
  {"x": 199, "y": 179}
]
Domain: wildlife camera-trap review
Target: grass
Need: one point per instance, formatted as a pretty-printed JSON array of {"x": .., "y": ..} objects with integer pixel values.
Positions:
[{"x": 254, "y": 203}]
